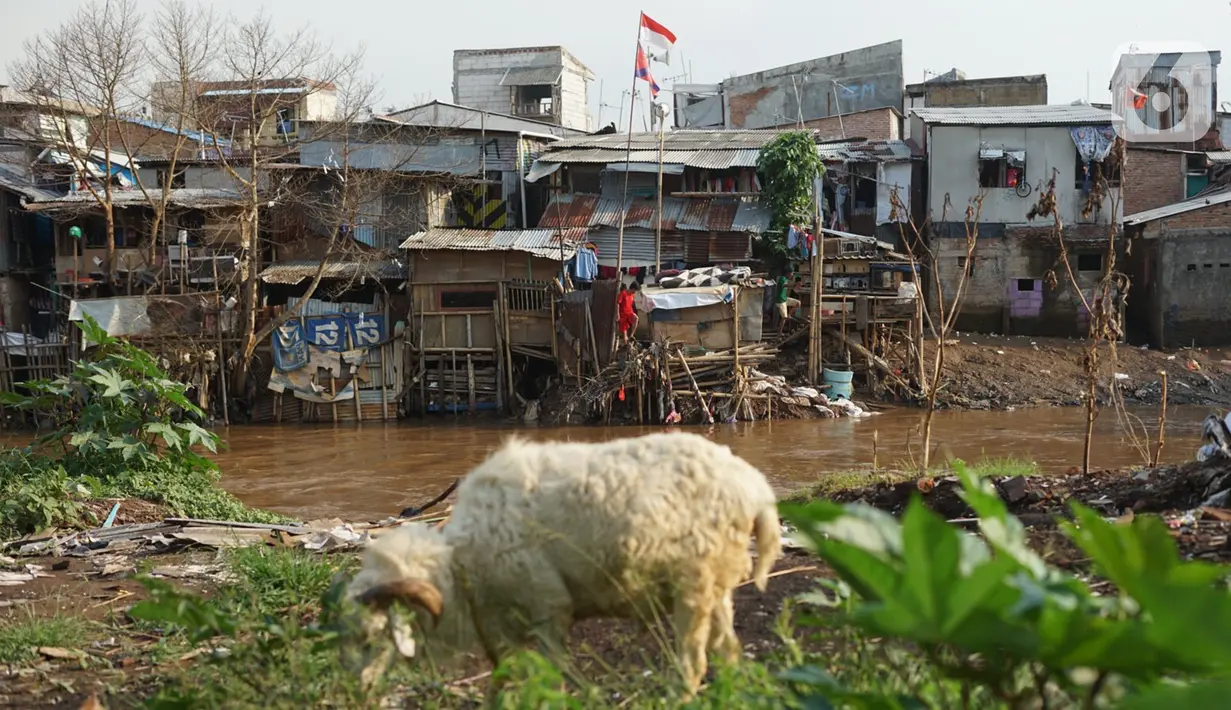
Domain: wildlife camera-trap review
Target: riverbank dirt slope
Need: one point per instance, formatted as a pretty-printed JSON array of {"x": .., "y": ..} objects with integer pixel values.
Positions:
[{"x": 1003, "y": 372}]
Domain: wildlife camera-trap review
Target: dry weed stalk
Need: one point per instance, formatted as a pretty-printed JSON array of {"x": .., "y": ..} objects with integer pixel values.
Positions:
[
  {"x": 919, "y": 245},
  {"x": 1104, "y": 305}
]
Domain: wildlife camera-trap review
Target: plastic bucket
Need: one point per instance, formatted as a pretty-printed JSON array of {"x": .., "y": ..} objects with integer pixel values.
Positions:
[
  {"x": 839, "y": 382},
  {"x": 840, "y": 391}
]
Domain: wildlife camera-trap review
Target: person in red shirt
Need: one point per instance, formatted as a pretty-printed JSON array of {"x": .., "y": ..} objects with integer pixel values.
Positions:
[{"x": 626, "y": 310}]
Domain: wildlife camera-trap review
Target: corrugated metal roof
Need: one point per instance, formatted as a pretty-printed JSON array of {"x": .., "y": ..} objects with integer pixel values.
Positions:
[
  {"x": 706, "y": 214},
  {"x": 1178, "y": 208},
  {"x": 450, "y": 116},
  {"x": 1045, "y": 115},
  {"x": 545, "y": 243},
  {"x": 678, "y": 140},
  {"x": 190, "y": 197},
  {"x": 1218, "y": 156},
  {"x": 292, "y": 272},
  {"x": 708, "y": 159},
  {"x": 532, "y": 76},
  {"x": 639, "y": 247},
  {"x": 14, "y": 181}
]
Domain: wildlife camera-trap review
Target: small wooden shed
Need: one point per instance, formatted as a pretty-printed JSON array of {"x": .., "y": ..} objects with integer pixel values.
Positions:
[
  {"x": 477, "y": 297},
  {"x": 704, "y": 315}
]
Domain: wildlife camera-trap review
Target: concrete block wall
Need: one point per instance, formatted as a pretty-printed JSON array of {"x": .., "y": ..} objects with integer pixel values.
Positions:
[
  {"x": 477, "y": 74},
  {"x": 574, "y": 97},
  {"x": 953, "y": 165},
  {"x": 878, "y": 124},
  {"x": 1015, "y": 91},
  {"x": 999, "y": 262},
  {"x": 1152, "y": 178}
]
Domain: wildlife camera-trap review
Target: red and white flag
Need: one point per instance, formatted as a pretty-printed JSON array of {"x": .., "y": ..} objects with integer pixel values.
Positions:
[{"x": 656, "y": 39}]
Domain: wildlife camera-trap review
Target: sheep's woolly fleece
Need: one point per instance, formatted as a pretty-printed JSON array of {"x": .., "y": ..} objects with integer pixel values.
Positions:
[{"x": 544, "y": 534}]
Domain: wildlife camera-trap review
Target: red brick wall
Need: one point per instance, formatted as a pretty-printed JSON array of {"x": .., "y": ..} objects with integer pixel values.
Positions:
[
  {"x": 878, "y": 124},
  {"x": 1152, "y": 179}
]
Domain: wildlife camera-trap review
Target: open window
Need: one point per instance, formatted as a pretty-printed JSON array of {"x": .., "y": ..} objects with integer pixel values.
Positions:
[
  {"x": 286, "y": 122},
  {"x": 534, "y": 101},
  {"x": 1092, "y": 261},
  {"x": 1099, "y": 170},
  {"x": 478, "y": 298},
  {"x": 1000, "y": 168}
]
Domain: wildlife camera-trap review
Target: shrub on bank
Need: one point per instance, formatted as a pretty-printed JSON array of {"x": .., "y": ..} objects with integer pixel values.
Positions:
[{"x": 118, "y": 427}]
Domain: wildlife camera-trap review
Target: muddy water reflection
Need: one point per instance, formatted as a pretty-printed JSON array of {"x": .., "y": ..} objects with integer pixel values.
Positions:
[{"x": 375, "y": 470}]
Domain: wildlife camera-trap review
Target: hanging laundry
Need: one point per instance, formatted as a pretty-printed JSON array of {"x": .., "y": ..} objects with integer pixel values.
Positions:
[
  {"x": 840, "y": 207},
  {"x": 584, "y": 264},
  {"x": 792, "y": 237}
]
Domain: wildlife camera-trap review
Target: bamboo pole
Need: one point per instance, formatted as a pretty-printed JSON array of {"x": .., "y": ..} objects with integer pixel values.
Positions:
[
  {"x": 1162, "y": 423},
  {"x": 709, "y": 418}
]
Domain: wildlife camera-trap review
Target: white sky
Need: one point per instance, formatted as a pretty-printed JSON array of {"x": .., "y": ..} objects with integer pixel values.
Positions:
[{"x": 409, "y": 45}]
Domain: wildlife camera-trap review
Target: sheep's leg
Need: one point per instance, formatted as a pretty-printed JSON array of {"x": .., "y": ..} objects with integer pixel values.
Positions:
[
  {"x": 723, "y": 640},
  {"x": 692, "y": 630}
]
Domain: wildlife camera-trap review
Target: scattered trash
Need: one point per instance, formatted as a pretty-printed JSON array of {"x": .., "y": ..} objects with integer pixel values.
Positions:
[
  {"x": 27, "y": 573},
  {"x": 1121, "y": 376},
  {"x": 57, "y": 652}
]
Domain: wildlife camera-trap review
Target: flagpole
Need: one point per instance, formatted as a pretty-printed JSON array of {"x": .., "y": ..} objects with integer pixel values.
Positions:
[{"x": 628, "y": 154}]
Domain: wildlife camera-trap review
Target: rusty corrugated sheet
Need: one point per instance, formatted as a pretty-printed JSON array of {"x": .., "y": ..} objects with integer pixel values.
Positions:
[
  {"x": 703, "y": 214},
  {"x": 730, "y": 246},
  {"x": 640, "y": 213},
  {"x": 697, "y": 248},
  {"x": 547, "y": 243},
  {"x": 569, "y": 211},
  {"x": 695, "y": 211},
  {"x": 721, "y": 215}
]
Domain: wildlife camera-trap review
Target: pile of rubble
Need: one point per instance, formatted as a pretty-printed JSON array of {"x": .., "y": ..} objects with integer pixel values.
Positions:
[{"x": 808, "y": 397}]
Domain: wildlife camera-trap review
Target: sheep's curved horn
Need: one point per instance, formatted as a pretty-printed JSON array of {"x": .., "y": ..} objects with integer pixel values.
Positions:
[{"x": 411, "y": 591}]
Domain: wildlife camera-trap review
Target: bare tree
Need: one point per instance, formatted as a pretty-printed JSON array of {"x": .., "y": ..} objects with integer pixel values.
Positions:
[
  {"x": 262, "y": 75},
  {"x": 81, "y": 75},
  {"x": 1106, "y": 300},
  {"x": 920, "y": 243},
  {"x": 182, "y": 47}
]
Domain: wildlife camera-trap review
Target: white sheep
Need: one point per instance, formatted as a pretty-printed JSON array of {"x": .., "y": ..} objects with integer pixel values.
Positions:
[{"x": 546, "y": 534}]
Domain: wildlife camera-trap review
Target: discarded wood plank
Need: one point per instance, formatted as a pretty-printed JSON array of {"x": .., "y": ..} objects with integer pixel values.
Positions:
[
  {"x": 783, "y": 573},
  {"x": 293, "y": 529},
  {"x": 709, "y": 418},
  {"x": 420, "y": 510}
]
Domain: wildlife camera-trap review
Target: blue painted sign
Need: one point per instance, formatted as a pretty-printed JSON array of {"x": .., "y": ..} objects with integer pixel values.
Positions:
[
  {"x": 290, "y": 348},
  {"x": 366, "y": 330},
  {"x": 327, "y": 332}
]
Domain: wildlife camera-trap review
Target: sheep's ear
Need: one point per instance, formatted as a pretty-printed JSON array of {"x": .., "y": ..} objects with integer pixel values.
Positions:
[{"x": 410, "y": 591}]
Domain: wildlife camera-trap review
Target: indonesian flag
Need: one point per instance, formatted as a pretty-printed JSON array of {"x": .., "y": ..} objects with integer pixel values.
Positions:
[
  {"x": 657, "y": 40},
  {"x": 643, "y": 71}
]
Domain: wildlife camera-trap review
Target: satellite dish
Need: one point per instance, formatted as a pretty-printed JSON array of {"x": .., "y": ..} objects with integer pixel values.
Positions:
[{"x": 662, "y": 109}]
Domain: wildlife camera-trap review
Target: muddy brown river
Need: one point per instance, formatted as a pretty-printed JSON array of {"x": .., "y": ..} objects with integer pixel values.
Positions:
[{"x": 374, "y": 470}]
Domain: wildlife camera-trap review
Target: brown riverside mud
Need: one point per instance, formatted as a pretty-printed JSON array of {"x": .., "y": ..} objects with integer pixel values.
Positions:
[{"x": 1002, "y": 372}]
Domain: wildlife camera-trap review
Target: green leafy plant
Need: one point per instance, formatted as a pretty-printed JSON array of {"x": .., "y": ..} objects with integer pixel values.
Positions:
[
  {"x": 989, "y": 613},
  {"x": 119, "y": 428},
  {"x": 789, "y": 165}
]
